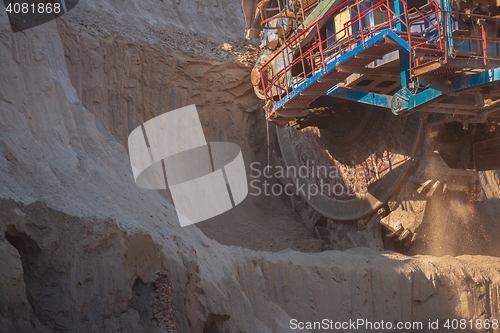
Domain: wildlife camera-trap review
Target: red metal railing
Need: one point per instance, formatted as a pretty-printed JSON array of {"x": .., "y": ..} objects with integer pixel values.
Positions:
[
  {"x": 320, "y": 51},
  {"x": 484, "y": 40},
  {"x": 291, "y": 45},
  {"x": 430, "y": 20},
  {"x": 317, "y": 55}
]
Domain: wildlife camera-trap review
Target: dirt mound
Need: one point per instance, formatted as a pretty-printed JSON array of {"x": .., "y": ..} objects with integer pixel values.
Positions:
[{"x": 123, "y": 97}]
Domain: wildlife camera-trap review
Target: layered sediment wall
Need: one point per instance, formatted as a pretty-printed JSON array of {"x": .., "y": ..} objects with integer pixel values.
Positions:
[{"x": 83, "y": 249}]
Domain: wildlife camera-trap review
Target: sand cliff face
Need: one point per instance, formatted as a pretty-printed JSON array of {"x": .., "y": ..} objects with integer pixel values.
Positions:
[
  {"x": 134, "y": 81},
  {"x": 82, "y": 249}
]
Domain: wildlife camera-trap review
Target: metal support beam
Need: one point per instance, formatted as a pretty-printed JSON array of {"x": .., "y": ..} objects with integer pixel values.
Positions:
[
  {"x": 399, "y": 11},
  {"x": 446, "y": 23},
  {"x": 475, "y": 80},
  {"x": 471, "y": 63},
  {"x": 329, "y": 81},
  {"x": 404, "y": 67},
  {"x": 360, "y": 96},
  {"x": 459, "y": 84}
]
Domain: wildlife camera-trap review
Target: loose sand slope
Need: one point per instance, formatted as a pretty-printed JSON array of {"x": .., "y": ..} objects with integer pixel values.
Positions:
[{"x": 82, "y": 249}]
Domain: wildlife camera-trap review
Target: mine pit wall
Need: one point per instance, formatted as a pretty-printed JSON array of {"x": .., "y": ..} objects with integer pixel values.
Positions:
[
  {"x": 124, "y": 83},
  {"x": 95, "y": 239}
]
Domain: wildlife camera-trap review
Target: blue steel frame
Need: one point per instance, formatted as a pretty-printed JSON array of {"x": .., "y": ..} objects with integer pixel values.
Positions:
[
  {"x": 330, "y": 66},
  {"x": 404, "y": 100}
]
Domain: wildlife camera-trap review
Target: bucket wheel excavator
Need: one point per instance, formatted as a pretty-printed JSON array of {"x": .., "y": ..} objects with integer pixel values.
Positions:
[{"x": 386, "y": 103}]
